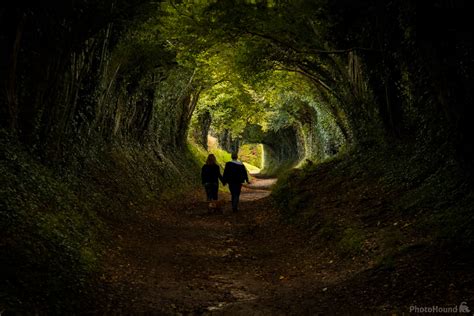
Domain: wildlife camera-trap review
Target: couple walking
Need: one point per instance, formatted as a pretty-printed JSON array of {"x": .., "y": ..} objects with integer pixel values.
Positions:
[{"x": 235, "y": 174}]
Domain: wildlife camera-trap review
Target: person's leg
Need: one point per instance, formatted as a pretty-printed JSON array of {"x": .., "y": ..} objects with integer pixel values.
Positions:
[
  {"x": 232, "y": 194},
  {"x": 237, "y": 197},
  {"x": 214, "y": 191},
  {"x": 208, "y": 189},
  {"x": 235, "y": 192}
]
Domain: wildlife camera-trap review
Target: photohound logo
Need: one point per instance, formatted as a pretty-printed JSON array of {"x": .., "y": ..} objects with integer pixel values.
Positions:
[{"x": 462, "y": 308}]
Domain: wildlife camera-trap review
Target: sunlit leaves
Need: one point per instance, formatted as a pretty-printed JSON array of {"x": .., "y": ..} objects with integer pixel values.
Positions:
[{"x": 257, "y": 61}]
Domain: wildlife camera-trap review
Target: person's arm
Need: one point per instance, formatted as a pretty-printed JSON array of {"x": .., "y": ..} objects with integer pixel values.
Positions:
[
  {"x": 202, "y": 174},
  {"x": 220, "y": 176},
  {"x": 226, "y": 175},
  {"x": 246, "y": 176}
]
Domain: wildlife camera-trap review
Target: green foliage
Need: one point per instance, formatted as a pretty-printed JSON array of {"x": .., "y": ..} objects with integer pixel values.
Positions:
[
  {"x": 328, "y": 232},
  {"x": 107, "y": 113},
  {"x": 385, "y": 195},
  {"x": 351, "y": 241},
  {"x": 387, "y": 262},
  {"x": 199, "y": 154},
  {"x": 283, "y": 192},
  {"x": 222, "y": 156},
  {"x": 246, "y": 58},
  {"x": 252, "y": 154},
  {"x": 275, "y": 168},
  {"x": 55, "y": 225},
  {"x": 50, "y": 237}
]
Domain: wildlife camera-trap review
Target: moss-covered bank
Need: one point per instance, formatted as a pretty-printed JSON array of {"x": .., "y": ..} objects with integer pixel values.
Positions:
[{"x": 379, "y": 201}]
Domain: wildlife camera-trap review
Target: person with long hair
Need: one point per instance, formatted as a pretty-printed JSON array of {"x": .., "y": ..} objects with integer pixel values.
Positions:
[{"x": 210, "y": 176}]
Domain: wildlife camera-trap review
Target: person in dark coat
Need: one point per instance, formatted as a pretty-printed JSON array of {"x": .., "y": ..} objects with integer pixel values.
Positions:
[
  {"x": 210, "y": 176},
  {"x": 235, "y": 174}
]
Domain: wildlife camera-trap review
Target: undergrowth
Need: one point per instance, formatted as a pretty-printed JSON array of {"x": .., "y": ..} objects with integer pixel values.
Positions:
[
  {"x": 378, "y": 201},
  {"x": 55, "y": 224},
  {"x": 252, "y": 154},
  {"x": 50, "y": 237}
]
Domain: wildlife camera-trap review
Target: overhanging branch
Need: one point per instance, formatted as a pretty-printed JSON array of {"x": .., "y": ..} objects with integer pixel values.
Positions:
[{"x": 308, "y": 51}]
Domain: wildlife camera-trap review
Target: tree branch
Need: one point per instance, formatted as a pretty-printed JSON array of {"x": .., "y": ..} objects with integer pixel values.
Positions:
[{"x": 313, "y": 51}]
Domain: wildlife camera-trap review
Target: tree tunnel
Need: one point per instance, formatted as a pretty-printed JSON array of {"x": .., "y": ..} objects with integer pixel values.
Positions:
[
  {"x": 106, "y": 106},
  {"x": 282, "y": 149},
  {"x": 142, "y": 80}
]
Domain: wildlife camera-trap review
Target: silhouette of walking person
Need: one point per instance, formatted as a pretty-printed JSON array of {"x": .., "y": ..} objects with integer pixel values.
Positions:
[
  {"x": 235, "y": 174},
  {"x": 210, "y": 176}
]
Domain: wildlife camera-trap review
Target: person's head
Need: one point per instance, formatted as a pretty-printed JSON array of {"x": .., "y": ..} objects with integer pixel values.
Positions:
[
  {"x": 234, "y": 156},
  {"x": 211, "y": 159}
]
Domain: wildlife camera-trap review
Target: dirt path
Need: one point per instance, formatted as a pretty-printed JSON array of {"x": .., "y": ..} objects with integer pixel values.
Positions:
[
  {"x": 187, "y": 261},
  {"x": 257, "y": 189}
]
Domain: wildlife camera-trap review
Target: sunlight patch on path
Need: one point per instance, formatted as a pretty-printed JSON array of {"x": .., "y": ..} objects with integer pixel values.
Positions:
[
  {"x": 257, "y": 189},
  {"x": 235, "y": 287},
  {"x": 252, "y": 195},
  {"x": 262, "y": 184}
]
